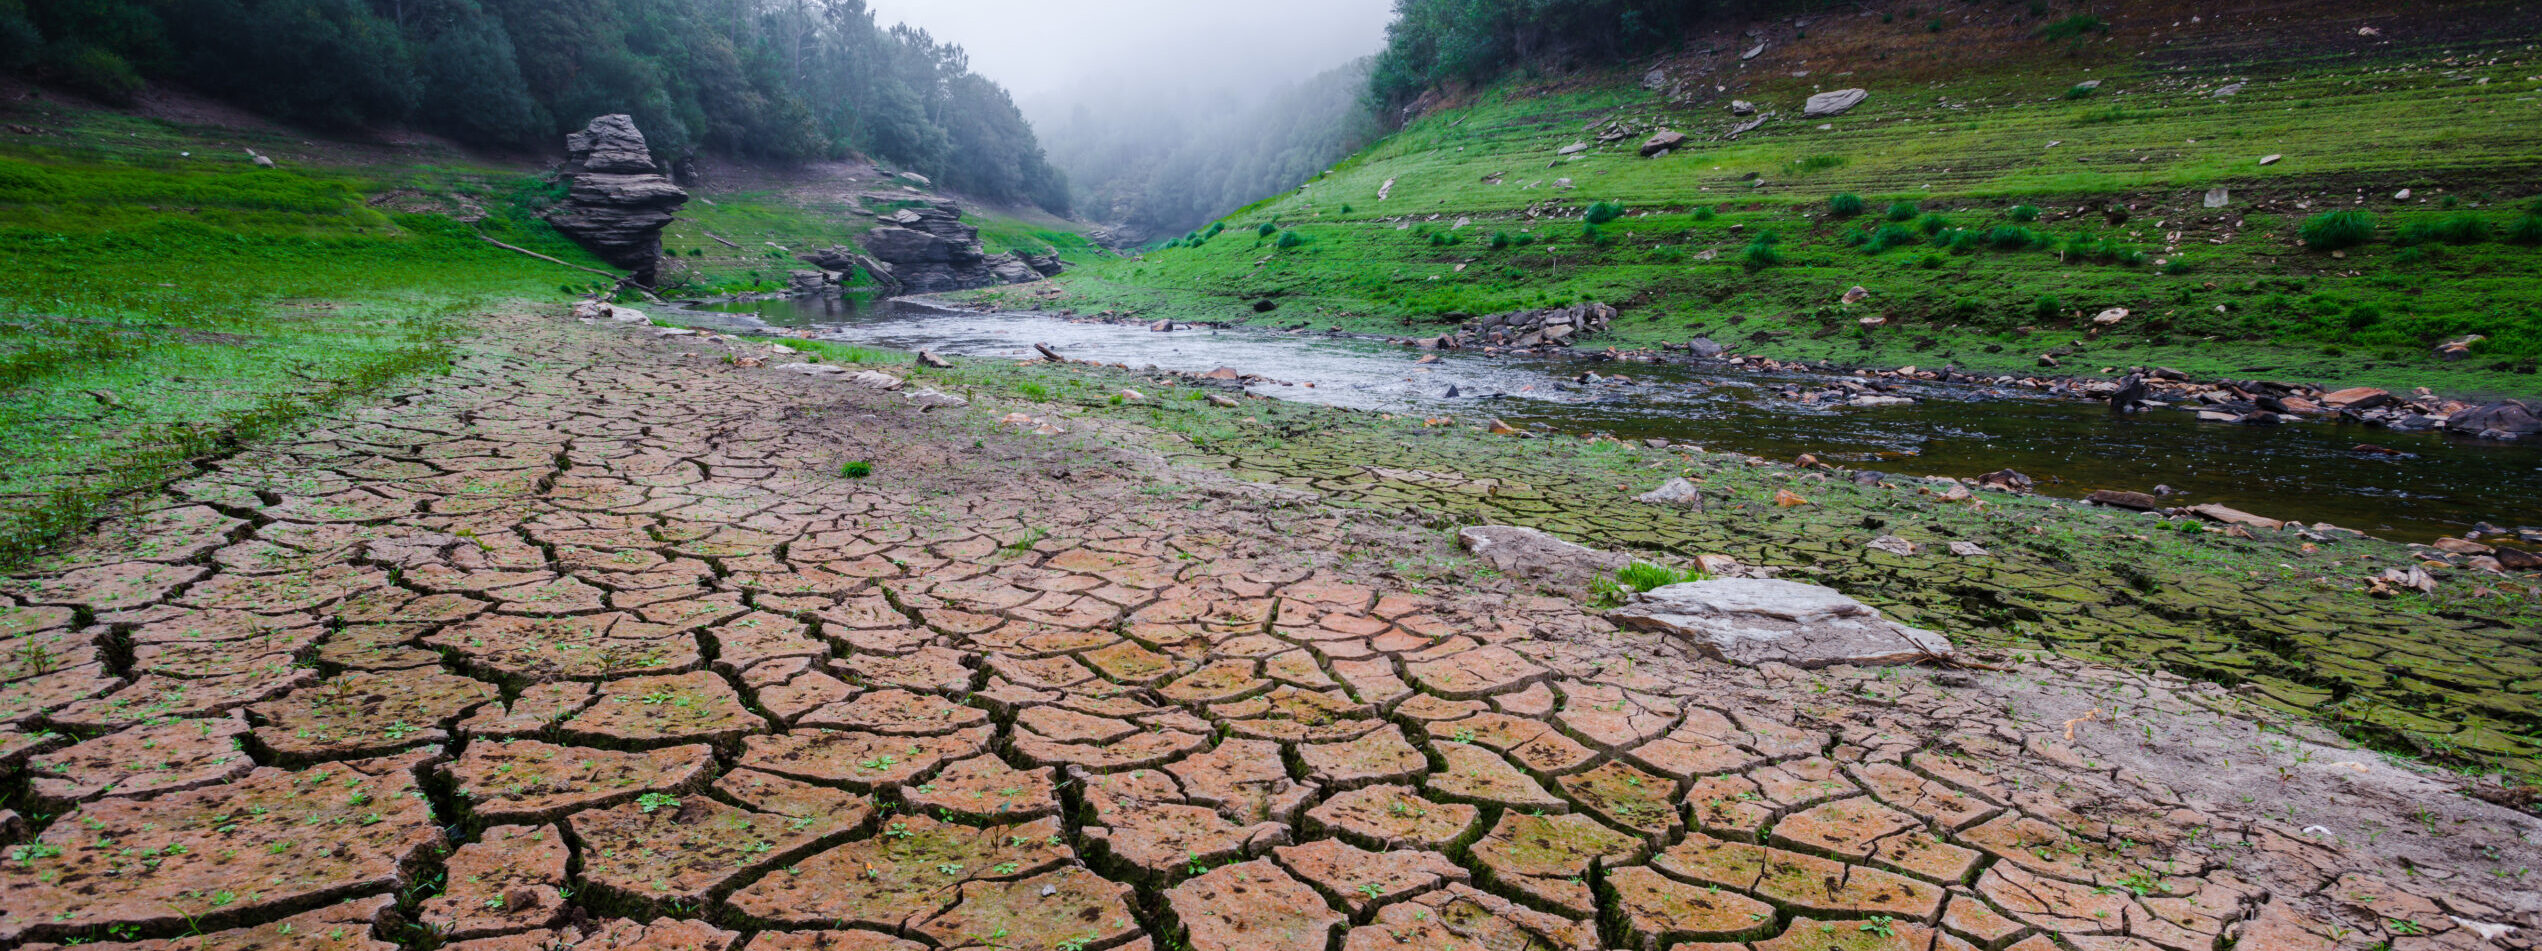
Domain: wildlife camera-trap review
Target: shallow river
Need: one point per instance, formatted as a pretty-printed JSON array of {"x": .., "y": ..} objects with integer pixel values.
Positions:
[{"x": 2307, "y": 471}]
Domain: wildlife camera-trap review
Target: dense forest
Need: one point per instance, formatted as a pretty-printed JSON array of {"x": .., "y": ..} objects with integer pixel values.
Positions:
[
  {"x": 1156, "y": 166},
  {"x": 1437, "y": 41},
  {"x": 781, "y": 80}
]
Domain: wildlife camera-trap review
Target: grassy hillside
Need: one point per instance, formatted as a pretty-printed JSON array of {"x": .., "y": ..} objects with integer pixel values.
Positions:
[
  {"x": 162, "y": 297},
  {"x": 1978, "y": 117}
]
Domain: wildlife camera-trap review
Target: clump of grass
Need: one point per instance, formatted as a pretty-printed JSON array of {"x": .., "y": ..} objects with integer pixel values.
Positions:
[
  {"x": 1602, "y": 212},
  {"x": 1845, "y": 205},
  {"x": 2072, "y": 27},
  {"x": 2334, "y": 230},
  {"x": 1933, "y": 224},
  {"x": 1903, "y": 211},
  {"x": 1289, "y": 239},
  {"x": 1267, "y": 229},
  {"x": 1818, "y": 163},
  {"x": 1033, "y": 391},
  {"x": 1890, "y": 236},
  {"x": 2013, "y": 238},
  {"x": 856, "y": 470},
  {"x": 1705, "y": 213},
  {"x": 1644, "y": 576},
  {"x": 1761, "y": 253},
  {"x": 2462, "y": 229},
  {"x": 2081, "y": 91},
  {"x": 2023, "y": 213},
  {"x": 2526, "y": 230}
]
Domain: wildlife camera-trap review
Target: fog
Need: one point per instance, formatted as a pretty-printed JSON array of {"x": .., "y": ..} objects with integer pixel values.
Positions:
[
  {"x": 1040, "y": 50},
  {"x": 1164, "y": 114}
]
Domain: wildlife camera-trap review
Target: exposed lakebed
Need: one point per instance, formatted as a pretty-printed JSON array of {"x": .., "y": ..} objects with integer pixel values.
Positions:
[{"x": 2438, "y": 485}]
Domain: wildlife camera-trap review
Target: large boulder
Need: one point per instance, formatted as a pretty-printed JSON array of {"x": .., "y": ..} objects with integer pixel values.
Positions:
[
  {"x": 1756, "y": 621},
  {"x": 1534, "y": 555},
  {"x": 2502, "y": 418},
  {"x": 617, "y": 201},
  {"x": 1834, "y": 103},
  {"x": 1664, "y": 142}
]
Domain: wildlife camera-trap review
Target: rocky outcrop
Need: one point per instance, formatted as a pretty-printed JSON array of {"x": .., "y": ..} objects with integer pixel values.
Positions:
[
  {"x": 1556, "y": 327},
  {"x": 617, "y": 201},
  {"x": 1834, "y": 103},
  {"x": 2506, "y": 419},
  {"x": 930, "y": 250}
]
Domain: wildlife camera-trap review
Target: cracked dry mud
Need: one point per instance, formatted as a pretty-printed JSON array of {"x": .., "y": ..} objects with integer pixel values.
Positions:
[{"x": 584, "y": 645}]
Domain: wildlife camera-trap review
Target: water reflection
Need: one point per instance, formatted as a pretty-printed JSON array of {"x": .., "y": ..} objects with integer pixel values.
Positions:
[{"x": 2308, "y": 471}]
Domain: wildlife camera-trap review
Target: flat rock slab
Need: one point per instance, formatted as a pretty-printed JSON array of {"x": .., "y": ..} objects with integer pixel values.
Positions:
[
  {"x": 145, "y": 760},
  {"x": 1755, "y": 621},
  {"x": 365, "y": 713},
  {"x": 1532, "y": 554},
  {"x": 1253, "y": 906},
  {"x": 533, "y": 781},
  {"x": 271, "y": 840}
]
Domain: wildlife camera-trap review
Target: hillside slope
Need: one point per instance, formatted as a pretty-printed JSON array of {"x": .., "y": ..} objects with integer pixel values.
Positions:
[{"x": 1976, "y": 116}]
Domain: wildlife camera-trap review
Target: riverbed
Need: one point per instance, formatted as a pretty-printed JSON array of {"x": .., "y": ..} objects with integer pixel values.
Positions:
[{"x": 2312, "y": 472}]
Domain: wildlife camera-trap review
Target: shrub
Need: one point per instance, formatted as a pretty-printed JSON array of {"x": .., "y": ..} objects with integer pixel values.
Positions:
[
  {"x": 1933, "y": 262},
  {"x": 1854, "y": 238},
  {"x": 1845, "y": 205},
  {"x": 1761, "y": 254},
  {"x": 2462, "y": 229},
  {"x": 2333, "y": 230},
  {"x": 1289, "y": 239},
  {"x": 1904, "y": 211},
  {"x": 1705, "y": 213},
  {"x": 2024, "y": 213},
  {"x": 1268, "y": 229},
  {"x": 1933, "y": 224},
  {"x": 2012, "y": 238},
  {"x": 1891, "y": 236},
  {"x": 2047, "y": 307},
  {"x": 2072, "y": 27},
  {"x": 2526, "y": 230},
  {"x": 1500, "y": 241},
  {"x": 1603, "y": 212},
  {"x": 1216, "y": 228}
]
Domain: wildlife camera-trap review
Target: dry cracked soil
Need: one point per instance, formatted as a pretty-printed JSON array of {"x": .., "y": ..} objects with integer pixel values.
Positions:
[{"x": 587, "y": 643}]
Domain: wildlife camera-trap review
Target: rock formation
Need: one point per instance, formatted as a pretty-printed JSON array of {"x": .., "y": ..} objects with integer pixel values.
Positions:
[
  {"x": 617, "y": 200},
  {"x": 930, "y": 250},
  {"x": 1755, "y": 621}
]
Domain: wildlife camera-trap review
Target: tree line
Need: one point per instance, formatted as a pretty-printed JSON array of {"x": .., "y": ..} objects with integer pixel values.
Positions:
[
  {"x": 1433, "y": 42},
  {"x": 779, "y": 80}
]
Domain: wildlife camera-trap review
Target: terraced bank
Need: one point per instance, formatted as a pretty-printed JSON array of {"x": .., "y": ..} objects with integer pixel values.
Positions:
[{"x": 592, "y": 644}]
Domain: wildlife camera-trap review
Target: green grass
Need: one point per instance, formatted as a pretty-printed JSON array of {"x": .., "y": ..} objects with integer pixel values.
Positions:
[
  {"x": 2237, "y": 295},
  {"x": 157, "y": 308}
]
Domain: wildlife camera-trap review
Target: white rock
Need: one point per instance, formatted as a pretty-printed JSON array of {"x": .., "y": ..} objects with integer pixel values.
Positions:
[
  {"x": 931, "y": 398},
  {"x": 1751, "y": 621},
  {"x": 876, "y": 381},
  {"x": 1675, "y": 492}
]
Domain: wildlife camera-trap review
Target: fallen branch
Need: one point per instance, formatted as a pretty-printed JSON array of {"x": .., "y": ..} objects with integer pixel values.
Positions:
[
  {"x": 719, "y": 239},
  {"x": 607, "y": 274},
  {"x": 621, "y": 281}
]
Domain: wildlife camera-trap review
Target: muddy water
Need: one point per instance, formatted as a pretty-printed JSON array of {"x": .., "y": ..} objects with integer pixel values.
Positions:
[{"x": 2308, "y": 472}]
